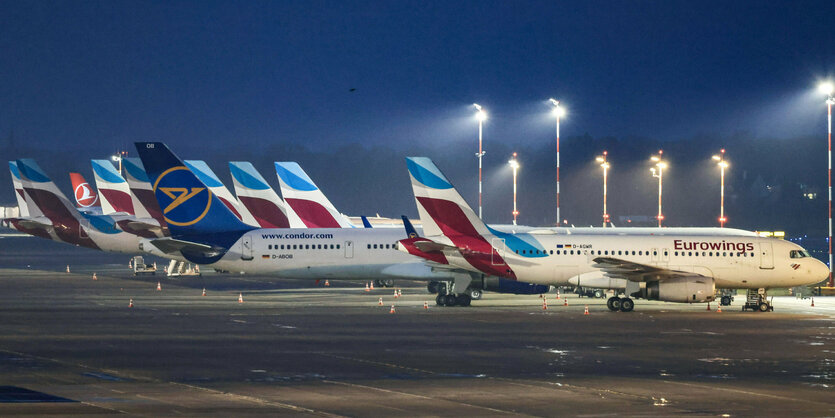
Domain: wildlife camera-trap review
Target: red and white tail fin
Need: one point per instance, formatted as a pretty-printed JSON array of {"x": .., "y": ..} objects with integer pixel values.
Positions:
[
  {"x": 140, "y": 187},
  {"x": 23, "y": 208},
  {"x": 210, "y": 180},
  {"x": 116, "y": 196},
  {"x": 305, "y": 198},
  {"x": 85, "y": 196},
  {"x": 259, "y": 197}
]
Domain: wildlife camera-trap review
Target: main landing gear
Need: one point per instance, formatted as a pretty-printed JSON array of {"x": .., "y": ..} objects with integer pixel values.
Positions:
[
  {"x": 384, "y": 283},
  {"x": 620, "y": 304},
  {"x": 447, "y": 298}
]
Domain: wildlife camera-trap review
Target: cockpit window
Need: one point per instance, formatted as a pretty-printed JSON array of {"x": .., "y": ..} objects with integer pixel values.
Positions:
[{"x": 799, "y": 254}]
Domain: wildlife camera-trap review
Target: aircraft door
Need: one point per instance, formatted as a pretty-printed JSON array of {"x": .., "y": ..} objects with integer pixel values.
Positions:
[
  {"x": 654, "y": 255},
  {"x": 246, "y": 247},
  {"x": 665, "y": 255},
  {"x": 349, "y": 249},
  {"x": 766, "y": 256},
  {"x": 499, "y": 247}
]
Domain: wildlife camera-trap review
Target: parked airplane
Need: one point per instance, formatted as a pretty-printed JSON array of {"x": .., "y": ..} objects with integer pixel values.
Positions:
[
  {"x": 119, "y": 200},
  {"x": 260, "y": 199},
  {"x": 302, "y": 194},
  {"x": 141, "y": 188},
  {"x": 210, "y": 179},
  {"x": 86, "y": 198},
  {"x": 673, "y": 268}
]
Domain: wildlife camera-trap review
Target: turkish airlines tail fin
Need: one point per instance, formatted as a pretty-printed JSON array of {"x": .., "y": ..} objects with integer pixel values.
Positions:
[
  {"x": 306, "y": 199},
  {"x": 85, "y": 196}
]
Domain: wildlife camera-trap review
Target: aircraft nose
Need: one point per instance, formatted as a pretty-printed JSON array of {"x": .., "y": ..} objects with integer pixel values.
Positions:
[{"x": 821, "y": 271}]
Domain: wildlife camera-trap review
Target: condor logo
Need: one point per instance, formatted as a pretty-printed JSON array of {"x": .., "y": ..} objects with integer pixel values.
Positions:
[{"x": 182, "y": 206}]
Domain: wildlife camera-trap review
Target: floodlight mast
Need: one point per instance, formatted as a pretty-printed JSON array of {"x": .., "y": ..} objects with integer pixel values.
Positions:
[
  {"x": 827, "y": 89},
  {"x": 481, "y": 116},
  {"x": 558, "y": 112}
]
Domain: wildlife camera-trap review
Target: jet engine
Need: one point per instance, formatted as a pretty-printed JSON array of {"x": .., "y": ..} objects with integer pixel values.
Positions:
[{"x": 695, "y": 289}]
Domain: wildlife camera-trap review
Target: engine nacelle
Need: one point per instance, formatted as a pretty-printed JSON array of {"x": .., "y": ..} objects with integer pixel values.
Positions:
[
  {"x": 696, "y": 289},
  {"x": 597, "y": 280},
  {"x": 499, "y": 285}
]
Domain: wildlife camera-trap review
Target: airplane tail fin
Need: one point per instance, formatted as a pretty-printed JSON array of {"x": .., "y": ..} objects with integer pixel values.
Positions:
[
  {"x": 190, "y": 207},
  {"x": 114, "y": 190},
  {"x": 23, "y": 209},
  {"x": 301, "y": 193},
  {"x": 210, "y": 179},
  {"x": 260, "y": 199},
  {"x": 365, "y": 222},
  {"x": 85, "y": 196},
  {"x": 140, "y": 186}
]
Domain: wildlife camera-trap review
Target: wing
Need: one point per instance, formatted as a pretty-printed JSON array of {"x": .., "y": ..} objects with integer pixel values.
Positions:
[
  {"x": 621, "y": 269},
  {"x": 172, "y": 246}
]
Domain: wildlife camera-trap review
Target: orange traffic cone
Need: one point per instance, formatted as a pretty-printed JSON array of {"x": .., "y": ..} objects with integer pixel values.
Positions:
[
  {"x": 327, "y": 283},
  {"x": 159, "y": 286},
  {"x": 395, "y": 294},
  {"x": 544, "y": 304},
  {"x": 380, "y": 302},
  {"x": 708, "y": 306},
  {"x": 68, "y": 268},
  {"x": 204, "y": 291},
  {"x": 94, "y": 276},
  {"x": 392, "y": 309},
  {"x": 558, "y": 294},
  {"x": 565, "y": 302},
  {"x": 813, "y": 302},
  {"x": 372, "y": 285},
  {"x": 425, "y": 305},
  {"x": 130, "y": 304},
  {"x": 130, "y": 264},
  {"x": 719, "y": 308},
  {"x": 240, "y": 298},
  {"x": 366, "y": 287},
  {"x": 399, "y": 292},
  {"x": 586, "y": 311}
]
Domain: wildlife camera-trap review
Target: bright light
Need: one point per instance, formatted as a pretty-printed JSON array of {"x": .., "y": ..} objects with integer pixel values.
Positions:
[
  {"x": 599, "y": 159},
  {"x": 723, "y": 164},
  {"x": 826, "y": 88},
  {"x": 662, "y": 165},
  {"x": 716, "y": 157},
  {"x": 605, "y": 165},
  {"x": 655, "y": 158},
  {"x": 481, "y": 115},
  {"x": 116, "y": 158},
  {"x": 477, "y": 106},
  {"x": 513, "y": 164},
  {"x": 558, "y": 111}
]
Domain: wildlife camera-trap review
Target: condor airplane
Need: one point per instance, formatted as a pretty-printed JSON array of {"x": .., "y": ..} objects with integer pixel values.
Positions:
[{"x": 674, "y": 268}]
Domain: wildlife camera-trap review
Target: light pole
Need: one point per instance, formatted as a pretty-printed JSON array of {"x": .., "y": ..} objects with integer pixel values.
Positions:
[
  {"x": 514, "y": 164},
  {"x": 558, "y": 112},
  {"x": 118, "y": 158},
  {"x": 722, "y": 166},
  {"x": 827, "y": 89},
  {"x": 658, "y": 172},
  {"x": 481, "y": 116},
  {"x": 605, "y": 164}
]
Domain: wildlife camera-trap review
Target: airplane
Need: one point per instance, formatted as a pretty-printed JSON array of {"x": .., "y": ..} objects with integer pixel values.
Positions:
[
  {"x": 86, "y": 199},
  {"x": 302, "y": 194},
  {"x": 675, "y": 268},
  {"x": 210, "y": 179},
  {"x": 141, "y": 188},
  {"x": 118, "y": 200},
  {"x": 260, "y": 199},
  {"x": 206, "y": 232}
]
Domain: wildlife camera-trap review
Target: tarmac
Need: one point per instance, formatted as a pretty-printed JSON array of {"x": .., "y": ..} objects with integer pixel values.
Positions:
[{"x": 72, "y": 345}]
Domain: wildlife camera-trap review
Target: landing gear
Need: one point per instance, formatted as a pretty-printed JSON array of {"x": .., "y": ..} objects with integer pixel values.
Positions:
[
  {"x": 598, "y": 293},
  {"x": 475, "y": 294},
  {"x": 757, "y": 300},
  {"x": 463, "y": 299},
  {"x": 615, "y": 304},
  {"x": 437, "y": 287},
  {"x": 725, "y": 301},
  {"x": 384, "y": 283}
]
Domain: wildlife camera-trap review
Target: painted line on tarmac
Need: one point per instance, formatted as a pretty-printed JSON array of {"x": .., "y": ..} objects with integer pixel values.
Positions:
[{"x": 748, "y": 392}]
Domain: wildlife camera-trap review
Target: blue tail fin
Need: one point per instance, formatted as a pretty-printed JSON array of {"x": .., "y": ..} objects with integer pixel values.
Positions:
[
  {"x": 189, "y": 207},
  {"x": 411, "y": 232},
  {"x": 365, "y": 223}
]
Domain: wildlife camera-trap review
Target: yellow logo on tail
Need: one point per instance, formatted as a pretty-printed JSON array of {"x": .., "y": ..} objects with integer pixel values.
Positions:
[{"x": 180, "y": 195}]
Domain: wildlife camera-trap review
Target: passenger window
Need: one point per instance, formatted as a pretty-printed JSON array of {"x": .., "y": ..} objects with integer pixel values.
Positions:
[
  {"x": 633, "y": 252},
  {"x": 572, "y": 252},
  {"x": 710, "y": 253},
  {"x": 338, "y": 246},
  {"x": 369, "y": 246},
  {"x": 294, "y": 246},
  {"x": 724, "y": 254},
  {"x": 306, "y": 246},
  {"x": 375, "y": 246},
  {"x": 331, "y": 246},
  {"x": 655, "y": 253},
  {"x": 320, "y": 246},
  {"x": 552, "y": 252}
]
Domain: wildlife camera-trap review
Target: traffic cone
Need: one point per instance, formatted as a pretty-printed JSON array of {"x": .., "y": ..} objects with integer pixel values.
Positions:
[
  {"x": 586, "y": 311},
  {"x": 708, "y": 306},
  {"x": 372, "y": 285},
  {"x": 366, "y": 287},
  {"x": 380, "y": 302},
  {"x": 399, "y": 292},
  {"x": 68, "y": 268},
  {"x": 719, "y": 308},
  {"x": 392, "y": 309},
  {"x": 159, "y": 286},
  {"x": 130, "y": 264},
  {"x": 94, "y": 276},
  {"x": 558, "y": 294},
  {"x": 395, "y": 294},
  {"x": 813, "y": 302},
  {"x": 425, "y": 305},
  {"x": 204, "y": 291},
  {"x": 327, "y": 283},
  {"x": 240, "y": 298},
  {"x": 565, "y": 302},
  {"x": 130, "y": 304},
  {"x": 544, "y": 304}
]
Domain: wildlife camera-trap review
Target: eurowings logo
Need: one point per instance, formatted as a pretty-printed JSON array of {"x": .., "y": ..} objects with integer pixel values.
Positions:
[
  {"x": 84, "y": 195},
  {"x": 795, "y": 266},
  {"x": 182, "y": 206}
]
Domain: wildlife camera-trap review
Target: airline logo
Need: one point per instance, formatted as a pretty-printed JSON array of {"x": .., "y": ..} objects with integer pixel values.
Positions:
[
  {"x": 183, "y": 206},
  {"x": 795, "y": 266},
  {"x": 84, "y": 195},
  {"x": 705, "y": 246}
]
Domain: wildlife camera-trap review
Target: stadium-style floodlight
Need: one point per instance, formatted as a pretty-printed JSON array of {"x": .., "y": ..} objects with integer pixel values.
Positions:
[
  {"x": 658, "y": 172},
  {"x": 481, "y": 116},
  {"x": 827, "y": 88},
  {"x": 118, "y": 158},
  {"x": 514, "y": 164},
  {"x": 603, "y": 160},
  {"x": 558, "y": 112},
  {"x": 722, "y": 164}
]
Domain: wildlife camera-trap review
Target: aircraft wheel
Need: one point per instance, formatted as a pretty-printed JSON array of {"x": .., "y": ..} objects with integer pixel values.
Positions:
[
  {"x": 463, "y": 299},
  {"x": 613, "y": 303},
  {"x": 475, "y": 294},
  {"x": 450, "y": 300},
  {"x": 626, "y": 305},
  {"x": 763, "y": 307},
  {"x": 388, "y": 283},
  {"x": 440, "y": 300},
  {"x": 432, "y": 287},
  {"x": 598, "y": 294},
  {"x": 726, "y": 300}
]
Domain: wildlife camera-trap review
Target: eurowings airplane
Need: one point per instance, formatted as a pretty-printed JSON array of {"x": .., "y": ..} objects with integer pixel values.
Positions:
[
  {"x": 305, "y": 198},
  {"x": 674, "y": 268},
  {"x": 119, "y": 200},
  {"x": 86, "y": 199},
  {"x": 141, "y": 188},
  {"x": 210, "y": 179},
  {"x": 260, "y": 199}
]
